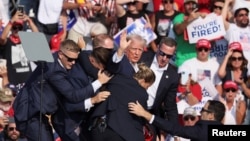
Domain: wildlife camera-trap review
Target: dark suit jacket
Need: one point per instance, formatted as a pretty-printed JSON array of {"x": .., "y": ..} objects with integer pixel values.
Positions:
[
  {"x": 72, "y": 87},
  {"x": 165, "y": 100},
  {"x": 198, "y": 132},
  {"x": 123, "y": 90}
]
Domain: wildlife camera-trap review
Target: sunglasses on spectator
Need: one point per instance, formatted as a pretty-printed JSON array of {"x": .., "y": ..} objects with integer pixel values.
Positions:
[
  {"x": 230, "y": 89},
  {"x": 186, "y": 118},
  {"x": 241, "y": 15},
  {"x": 217, "y": 7},
  {"x": 164, "y": 54},
  {"x": 201, "y": 49},
  {"x": 11, "y": 128},
  {"x": 68, "y": 58},
  {"x": 205, "y": 110},
  {"x": 132, "y": 3},
  {"x": 17, "y": 27},
  {"x": 167, "y": 1},
  {"x": 236, "y": 58}
]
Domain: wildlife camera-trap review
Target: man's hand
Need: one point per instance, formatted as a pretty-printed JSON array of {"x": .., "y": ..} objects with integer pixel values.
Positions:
[
  {"x": 136, "y": 108},
  {"x": 103, "y": 76},
  {"x": 101, "y": 96}
]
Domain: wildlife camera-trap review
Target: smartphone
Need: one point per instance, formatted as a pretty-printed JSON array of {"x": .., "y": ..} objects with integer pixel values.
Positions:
[
  {"x": 184, "y": 78},
  {"x": 21, "y": 9},
  {"x": 3, "y": 62}
]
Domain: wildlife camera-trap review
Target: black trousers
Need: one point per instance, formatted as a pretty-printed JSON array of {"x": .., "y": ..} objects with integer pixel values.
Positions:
[
  {"x": 37, "y": 131},
  {"x": 107, "y": 135}
]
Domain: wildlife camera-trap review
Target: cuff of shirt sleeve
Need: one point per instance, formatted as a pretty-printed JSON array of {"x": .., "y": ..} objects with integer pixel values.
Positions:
[
  {"x": 152, "y": 119},
  {"x": 116, "y": 59},
  {"x": 88, "y": 104},
  {"x": 96, "y": 85}
]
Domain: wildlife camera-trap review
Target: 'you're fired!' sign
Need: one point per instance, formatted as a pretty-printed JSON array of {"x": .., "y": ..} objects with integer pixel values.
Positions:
[{"x": 211, "y": 27}]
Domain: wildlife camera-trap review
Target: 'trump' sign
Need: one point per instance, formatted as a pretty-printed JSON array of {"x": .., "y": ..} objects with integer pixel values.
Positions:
[{"x": 211, "y": 27}]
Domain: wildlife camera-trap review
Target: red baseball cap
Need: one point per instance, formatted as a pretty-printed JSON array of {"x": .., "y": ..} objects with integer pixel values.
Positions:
[
  {"x": 203, "y": 43},
  {"x": 230, "y": 84},
  {"x": 235, "y": 46}
]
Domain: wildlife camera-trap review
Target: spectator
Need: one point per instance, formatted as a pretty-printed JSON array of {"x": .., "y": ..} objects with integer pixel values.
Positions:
[
  {"x": 87, "y": 14},
  {"x": 129, "y": 15},
  {"x": 234, "y": 67},
  {"x": 234, "y": 103},
  {"x": 161, "y": 22},
  {"x": 204, "y": 71},
  {"x": 96, "y": 29},
  {"x": 190, "y": 117},
  {"x": 238, "y": 31},
  {"x": 219, "y": 46},
  {"x": 18, "y": 66},
  {"x": 185, "y": 50},
  {"x": 211, "y": 114},
  {"x": 10, "y": 132},
  {"x": 189, "y": 93}
]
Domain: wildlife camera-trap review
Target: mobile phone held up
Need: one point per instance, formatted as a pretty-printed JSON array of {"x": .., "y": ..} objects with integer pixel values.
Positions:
[
  {"x": 21, "y": 9},
  {"x": 184, "y": 78}
]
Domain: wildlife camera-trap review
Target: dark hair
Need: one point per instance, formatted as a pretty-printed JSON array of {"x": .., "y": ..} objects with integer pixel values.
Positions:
[
  {"x": 168, "y": 41},
  {"x": 218, "y": 108},
  {"x": 238, "y": 11},
  {"x": 244, "y": 63},
  {"x": 101, "y": 55}
]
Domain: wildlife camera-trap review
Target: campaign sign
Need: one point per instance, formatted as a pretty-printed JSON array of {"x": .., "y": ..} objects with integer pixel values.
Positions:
[
  {"x": 137, "y": 27},
  {"x": 211, "y": 27},
  {"x": 70, "y": 22}
]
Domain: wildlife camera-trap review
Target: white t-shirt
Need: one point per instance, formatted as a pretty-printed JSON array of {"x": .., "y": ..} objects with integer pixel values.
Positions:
[
  {"x": 203, "y": 72},
  {"x": 49, "y": 11}
]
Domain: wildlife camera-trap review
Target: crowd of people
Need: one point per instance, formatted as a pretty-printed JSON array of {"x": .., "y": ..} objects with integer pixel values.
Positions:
[{"x": 98, "y": 89}]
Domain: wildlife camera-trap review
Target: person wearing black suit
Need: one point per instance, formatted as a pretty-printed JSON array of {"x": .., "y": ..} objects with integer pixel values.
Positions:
[
  {"x": 162, "y": 94},
  {"x": 70, "y": 118},
  {"x": 120, "y": 124},
  {"x": 101, "y": 40},
  {"x": 212, "y": 113},
  {"x": 59, "y": 88}
]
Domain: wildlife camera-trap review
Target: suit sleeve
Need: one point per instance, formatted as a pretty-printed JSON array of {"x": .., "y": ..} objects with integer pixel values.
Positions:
[
  {"x": 190, "y": 132},
  {"x": 64, "y": 87},
  {"x": 170, "y": 106}
]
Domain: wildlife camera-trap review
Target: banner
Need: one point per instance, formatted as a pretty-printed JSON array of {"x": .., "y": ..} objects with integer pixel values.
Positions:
[
  {"x": 137, "y": 27},
  {"x": 210, "y": 28},
  {"x": 70, "y": 22}
]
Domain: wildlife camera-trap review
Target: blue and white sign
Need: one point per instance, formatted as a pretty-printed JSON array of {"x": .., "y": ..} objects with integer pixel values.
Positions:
[
  {"x": 137, "y": 27},
  {"x": 210, "y": 28}
]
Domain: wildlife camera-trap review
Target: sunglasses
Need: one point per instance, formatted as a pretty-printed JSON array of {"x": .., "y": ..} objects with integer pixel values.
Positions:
[
  {"x": 68, "y": 58},
  {"x": 167, "y": 1},
  {"x": 17, "y": 27},
  {"x": 230, "y": 89},
  {"x": 217, "y": 7},
  {"x": 132, "y": 3},
  {"x": 186, "y": 118},
  {"x": 236, "y": 58},
  {"x": 164, "y": 54},
  {"x": 242, "y": 15},
  {"x": 205, "y": 110},
  {"x": 201, "y": 49},
  {"x": 11, "y": 128}
]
